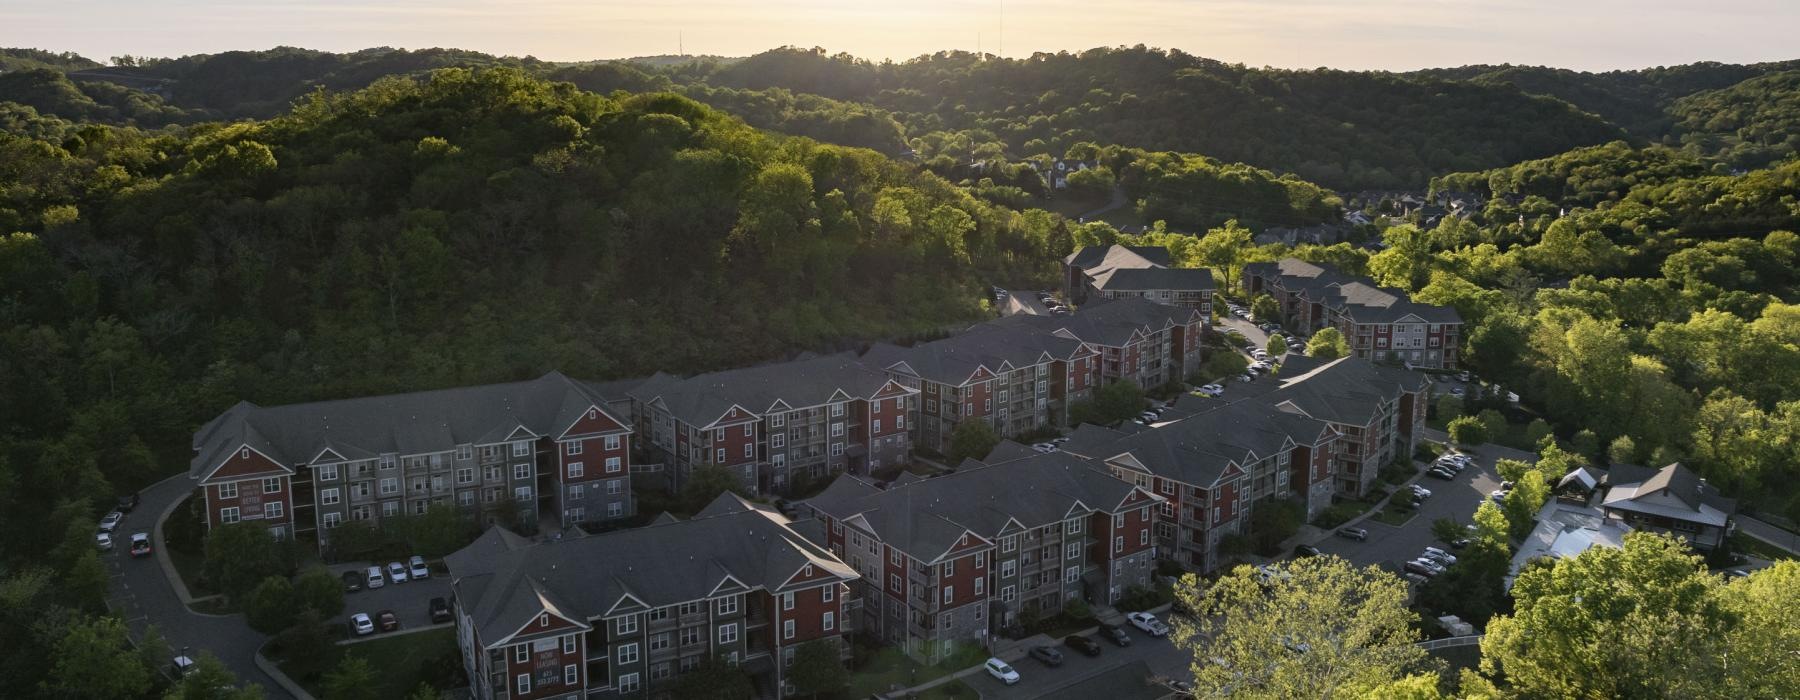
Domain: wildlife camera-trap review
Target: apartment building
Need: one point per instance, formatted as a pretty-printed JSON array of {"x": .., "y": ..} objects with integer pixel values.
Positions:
[
  {"x": 1379, "y": 411},
  {"x": 958, "y": 558},
  {"x": 780, "y": 424},
  {"x": 624, "y": 614},
  {"x": 544, "y": 446},
  {"x": 1017, "y": 377},
  {"x": 1144, "y": 341},
  {"x": 1380, "y": 324},
  {"x": 1212, "y": 468},
  {"x": 1147, "y": 272}
]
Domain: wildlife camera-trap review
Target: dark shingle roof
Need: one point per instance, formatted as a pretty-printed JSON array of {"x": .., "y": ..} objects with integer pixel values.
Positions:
[
  {"x": 1110, "y": 322},
  {"x": 1144, "y": 279},
  {"x": 1360, "y": 297},
  {"x": 992, "y": 345},
  {"x": 412, "y": 423},
  {"x": 1347, "y": 390},
  {"x": 1090, "y": 257},
  {"x": 504, "y": 581},
  {"x": 702, "y": 399},
  {"x": 1672, "y": 491}
]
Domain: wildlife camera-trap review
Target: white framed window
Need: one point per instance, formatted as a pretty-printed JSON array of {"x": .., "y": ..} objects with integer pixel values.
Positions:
[
  {"x": 328, "y": 497},
  {"x": 1143, "y": 537},
  {"x": 787, "y": 600},
  {"x": 876, "y": 427},
  {"x": 577, "y": 514},
  {"x": 749, "y": 450},
  {"x": 571, "y": 674},
  {"x": 837, "y": 429},
  {"x": 728, "y": 633},
  {"x": 465, "y": 475},
  {"x": 390, "y": 509},
  {"x": 572, "y": 448},
  {"x": 1009, "y": 543},
  {"x": 228, "y": 515},
  {"x": 568, "y": 644},
  {"x": 228, "y": 490},
  {"x": 980, "y": 585},
  {"x": 1007, "y": 594},
  {"x": 949, "y": 594},
  {"x": 615, "y": 487},
  {"x": 787, "y": 629},
  {"x": 520, "y": 449},
  {"x": 272, "y": 509},
  {"x": 719, "y": 435},
  {"x": 1072, "y": 527},
  {"x": 1008, "y": 568},
  {"x": 522, "y": 493},
  {"x": 333, "y": 520},
  {"x": 612, "y": 442},
  {"x": 628, "y": 683},
  {"x": 837, "y": 449},
  {"x": 837, "y": 409},
  {"x": 950, "y": 568},
  {"x": 577, "y": 470},
  {"x": 778, "y": 440},
  {"x": 615, "y": 509},
  {"x": 465, "y": 451},
  {"x": 628, "y": 624},
  {"x": 628, "y": 653},
  {"x": 899, "y": 422},
  {"x": 1118, "y": 544},
  {"x": 524, "y": 683},
  {"x": 899, "y": 403},
  {"x": 828, "y": 593},
  {"x": 577, "y": 492},
  {"x": 466, "y": 498},
  {"x": 388, "y": 462},
  {"x": 829, "y": 621},
  {"x": 659, "y": 642},
  {"x": 1072, "y": 550},
  {"x": 328, "y": 472},
  {"x": 614, "y": 465},
  {"x": 521, "y": 653},
  {"x": 720, "y": 457},
  {"x": 521, "y": 471},
  {"x": 1072, "y": 575},
  {"x": 1118, "y": 520},
  {"x": 728, "y": 605},
  {"x": 777, "y": 420}
]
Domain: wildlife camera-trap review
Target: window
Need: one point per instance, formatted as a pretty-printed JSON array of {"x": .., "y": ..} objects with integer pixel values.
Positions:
[
  {"x": 894, "y": 556},
  {"x": 465, "y": 475},
  {"x": 1118, "y": 520},
  {"x": 612, "y": 442},
  {"x": 387, "y": 462},
  {"x": 787, "y": 629},
  {"x": 328, "y": 472},
  {"x": 778, "y": 440},
  {"x": 615, "y": 487},
  {"x": 522, "y": 493},
  {"x": 1072, "y": 550},
  {"x": 659, "y": 642},
  {"x": 1072, "y": 575},
  {"x": 829, "y": 621},
  {"x": 228, "y": 490},
  {"x": 628, "y": 683},
  {"x": 524, "y": 683},
  {"x": 828, "y": 593},
  {"x": 1118, "y": 544},
  {"x": 568, "y": 642},
  {"x": 894, "y": 581},
  {"x": 628, "y": 624},
  {"x": 572, "y": 448},
  {"x": 1167, "y": 486},
  {"x": 577, "y": 492},
  {"x": 749, "y": 450},
  {"x": 690, "y": 636},
  {"x": 837, "y": 449},
  {"x": 228, "y": 516},
  {"x": 728, "y": 634},
  {"x": 520, "y": 449},
  {"x": 899, "y": 422},
  {"x": 728, "y": 605},
  {"x": 950, "y": 568},
  {"x": 1072, "y": 527},
  {"x": 837, "y": 409},
  {"x": 466, "y": 498},
  {"x": 837, "y": 429},
  {"x": 949, "y": 594},
  {"x": 521, "y": 471},
  {"x": 1008, "y": 568},
  {"x": 787, "y": 601},
  {"x": 980, "y": 585},
  {"x": 899, "y": 403},
  {"x": 1007, "y": 594},
  {"x": 720, "y": 457},
  {"x": 576, "y": 469},
  {"x": 272, "y": 509},
  {"x": 390, "y": 509},
  {"x": 615, "y": 509},
  {"x": 876, "y": 428},
  {"x": 1143, "y": 537},
  {"x": 719, "y": 435},
  {"x": 570, "y": 674},
  {"x": 465, "y": 451},
  {"x": 521, "y": 653},
  {"x": 628, "y": 653},
  {"x": 1009, "y": 543},
  {"x": 614, "y": 465},
  {"x": 493, "y": 473},
  {"x": 328, "y": 497},
  {"x": 333, "y": 519}
]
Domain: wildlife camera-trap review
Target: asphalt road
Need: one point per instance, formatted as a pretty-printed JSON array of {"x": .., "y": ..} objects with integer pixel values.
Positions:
[
  {"x": 1036, "y": 679},
  {"x": 1456, "y": 499},
  {"x": 142, "y": 594}
]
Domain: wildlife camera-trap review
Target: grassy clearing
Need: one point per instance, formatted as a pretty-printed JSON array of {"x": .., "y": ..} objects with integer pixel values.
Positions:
[
  {"x": 402, "y": 662},
  {"x": 888, "y": 668}
]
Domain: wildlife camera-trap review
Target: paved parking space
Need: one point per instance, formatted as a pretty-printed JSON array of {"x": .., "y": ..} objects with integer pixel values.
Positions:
[
  {"x": 411, "y": 601},
  {"x": 1036, "y": 679},
  {"x": 1456, "y": 499}
]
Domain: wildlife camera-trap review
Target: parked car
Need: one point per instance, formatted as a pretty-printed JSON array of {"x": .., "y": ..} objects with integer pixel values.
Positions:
[
  {"x": 1440, "y": 555},
  {"x": 1412, "y": 577},
  {"x": 1305, "y": 550},
  {"x": 1044, "y": 447},
  {"x": 1497, "y": 496},
  {"x": 396, "y": 572},
  {"x": 1212, "y": 390},
  {"x": 1147, "y": 416},
  {"x": 1456, "y": 392},
  {"x": 103, "y": 541},
  {"x": 1459, "y": 543},
  {"x": 1736, "y": 574},
  {"x": 440, "y": 610},
  {"x": 1421, "y": 491},
  {"x": 361, "y": 624},
  {"x": 1083, "y": 644},
  {"x": 1002, "y": 672},
  {"x": 1435, "y": 567},
  {"x": 1414, "y": 567},
  {"x": 373, "y": 578},
  {"x": 353, "y": 581},
  {"x": 1047, "y": 654},
  {"x": 1148, "y": 623},
  {"x": 1444, "y": 473},
  {"x": 1464, "y": 376},
  {"x": 1353, "y": 533},
  {"x": 1116, "y": 635},
  {"x": 388, "y": 620},
  {"x": 111, "y": 521},
  {"x": 182, "y": 666},
  {"x": 417, "y": 569},
  {"x": 127, "y": 502},
  {"x": 140, "y": 544}
]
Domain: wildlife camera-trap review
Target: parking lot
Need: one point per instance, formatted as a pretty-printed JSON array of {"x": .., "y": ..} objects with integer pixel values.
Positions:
[
  {"x": 1457, "y": 499},
  {"x": 1037, "y": 679},
  {"x": 410, "y": 601}
]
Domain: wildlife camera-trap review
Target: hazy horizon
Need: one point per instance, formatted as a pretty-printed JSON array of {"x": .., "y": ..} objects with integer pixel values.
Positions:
[{"x": 1592, "y": 35}]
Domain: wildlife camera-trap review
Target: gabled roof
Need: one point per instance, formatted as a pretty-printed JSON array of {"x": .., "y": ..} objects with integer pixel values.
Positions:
[
  {"x": 406, "y": 424},
  {"x": 1201, "y": 449},
  {"x": 1147, "y": 279},
  {"x": 1347, "y": 390},
  {"x": 703, "y": 399},
  {"x": 926, "y": 517},
  {"x": 1358, "y": 297},
  {"x": 1673, "y": 491},
  {"x": 731, "y": 545},
  {"x": 987, "y": 346},
  {"x": 1108, "y": 256},
  {"x": 1109, "y": 322}
]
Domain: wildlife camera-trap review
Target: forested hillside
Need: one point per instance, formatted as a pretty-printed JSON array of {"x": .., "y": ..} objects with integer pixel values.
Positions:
[
  {"x": 476, "y": 226},
  {"x": 1636, "y": 100}
]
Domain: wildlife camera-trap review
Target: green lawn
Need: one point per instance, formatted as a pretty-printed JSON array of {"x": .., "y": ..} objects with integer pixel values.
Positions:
[
  {"x": 401, "y": 663},
  {"x": 889, "y": 667},
  {"x": 1394, "y": 516}
]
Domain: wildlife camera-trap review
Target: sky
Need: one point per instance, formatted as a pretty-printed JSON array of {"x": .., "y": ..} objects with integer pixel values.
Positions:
[{"x": 1349, "y": 34}]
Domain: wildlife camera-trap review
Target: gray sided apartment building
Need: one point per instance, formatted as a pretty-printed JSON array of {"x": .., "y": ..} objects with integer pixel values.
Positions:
[{"x": 544, "y": 448}]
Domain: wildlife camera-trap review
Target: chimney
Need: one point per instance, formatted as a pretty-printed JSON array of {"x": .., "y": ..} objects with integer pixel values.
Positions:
[{"x": 1700, "y": 487}]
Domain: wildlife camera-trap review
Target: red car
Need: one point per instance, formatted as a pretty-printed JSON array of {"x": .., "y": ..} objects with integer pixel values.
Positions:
[{"x": 388, "y": 620}]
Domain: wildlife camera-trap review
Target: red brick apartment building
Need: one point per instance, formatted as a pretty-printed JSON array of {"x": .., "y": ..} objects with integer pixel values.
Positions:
[
  {"x": 548, "y": 444},
  {"x": 1380, "y": 324},
  {"x": 1147, "y": 342},
  {"x": 957, "y": 558},
  {"x": 626, "y": 613},
  {"x": 780, "y": 424}
]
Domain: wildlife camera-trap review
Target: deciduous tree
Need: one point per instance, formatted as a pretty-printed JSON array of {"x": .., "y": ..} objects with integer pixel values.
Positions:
[
  {"x": 1327, "y": 344},
  {"x": 972, "y": 438}
]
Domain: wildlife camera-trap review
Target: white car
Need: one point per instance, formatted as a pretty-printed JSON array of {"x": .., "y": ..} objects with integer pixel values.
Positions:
[
  {"x": 1148, "y": 623},
  {"x": 111, "y": 521},
  {"x": 1429, "y": 563},
  {"x": 417, "y": 569},
  {"x": 1440, "y": 555},
  {"x": 374, "y": 579},
  {"x": 396, "y": 572},
  {"x": 1213, "y": 389},
  {"x": 361, "y": 624},
  {"x": 1044, "y": 447},
  {"x": 1002, "y": 672},
  {"x": 1421, "y": 491},
  {"x": 1444, "y": 560},
  {"x": 1512, "y": 397},
  {"x": 103, "y": 541}
]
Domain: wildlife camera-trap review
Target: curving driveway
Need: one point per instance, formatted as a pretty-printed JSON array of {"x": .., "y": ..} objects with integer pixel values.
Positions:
[{"x": 143, "y": 592}]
